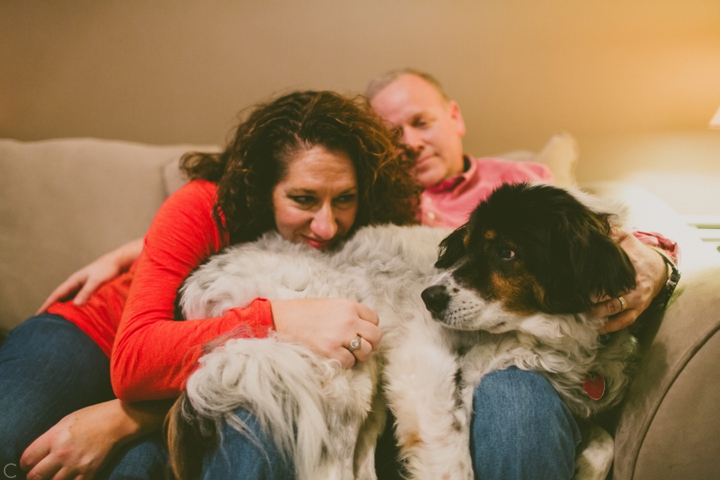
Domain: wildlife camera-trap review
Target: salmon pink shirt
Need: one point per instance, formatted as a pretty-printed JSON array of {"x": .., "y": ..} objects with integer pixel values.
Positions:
[{"x": 450, "y": 203}]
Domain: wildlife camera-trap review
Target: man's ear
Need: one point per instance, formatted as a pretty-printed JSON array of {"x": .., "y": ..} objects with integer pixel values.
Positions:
[{"x": 457, "y": 118}]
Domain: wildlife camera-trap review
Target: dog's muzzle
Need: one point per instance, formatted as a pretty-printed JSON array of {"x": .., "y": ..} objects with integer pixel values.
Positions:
[{"x": 436, "y": 300}]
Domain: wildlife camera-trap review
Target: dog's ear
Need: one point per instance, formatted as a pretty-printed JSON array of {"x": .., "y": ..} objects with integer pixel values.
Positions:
[
  {"x": 614, "y": 272},
  {"x": 609, "y": 270},
  {"x": 452, "y": 248},
  {"x": 599, "y": 267},
  {"x": 187, "y": 439}
]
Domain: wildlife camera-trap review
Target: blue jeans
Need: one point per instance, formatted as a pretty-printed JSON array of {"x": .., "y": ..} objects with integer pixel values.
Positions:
[
  {"x": 50, "y": 368},
  {"x": 520, "y": 430}
]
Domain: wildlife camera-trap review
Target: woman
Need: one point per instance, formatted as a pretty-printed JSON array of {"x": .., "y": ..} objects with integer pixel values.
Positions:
[
  {"x": 318, "y": 188},
  {"x": 313, "y": 165}
]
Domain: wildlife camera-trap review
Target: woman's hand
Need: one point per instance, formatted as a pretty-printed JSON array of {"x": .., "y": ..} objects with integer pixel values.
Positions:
[
  {"x": 650, "y": 277},
  {"x": 327, "y": 326},
  {"x": 83, "y": 283},
  {"x": 79, "y": 445}
]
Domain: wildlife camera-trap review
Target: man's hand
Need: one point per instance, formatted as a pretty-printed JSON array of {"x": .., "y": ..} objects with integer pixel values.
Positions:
[
  {"x": 650, "y": 277},
  {"x": 83, "y": 283},
  {"x": 79, "y": 445}
]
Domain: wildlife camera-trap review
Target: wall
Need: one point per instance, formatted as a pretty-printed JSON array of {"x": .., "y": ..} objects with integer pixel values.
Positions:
[{"x": 179, "y": 71}]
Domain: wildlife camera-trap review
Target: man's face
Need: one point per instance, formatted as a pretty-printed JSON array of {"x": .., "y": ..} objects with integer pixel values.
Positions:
[{"x": 432, "y": 126}]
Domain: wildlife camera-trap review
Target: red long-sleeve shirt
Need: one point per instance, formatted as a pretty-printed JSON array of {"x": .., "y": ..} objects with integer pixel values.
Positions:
[{"x": 153, "y": 355}]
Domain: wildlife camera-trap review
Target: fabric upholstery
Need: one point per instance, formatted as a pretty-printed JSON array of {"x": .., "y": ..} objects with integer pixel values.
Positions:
[
  {"x": 63, "y": 203},
  {"x": 670, "y": 420}
]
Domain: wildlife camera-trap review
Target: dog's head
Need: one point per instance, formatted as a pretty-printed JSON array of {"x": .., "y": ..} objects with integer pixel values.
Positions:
[{"x": 526, "y": 249}]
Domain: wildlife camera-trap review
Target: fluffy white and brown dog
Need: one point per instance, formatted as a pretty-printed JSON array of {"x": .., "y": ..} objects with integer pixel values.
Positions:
[{"x": 509, "y": 288}]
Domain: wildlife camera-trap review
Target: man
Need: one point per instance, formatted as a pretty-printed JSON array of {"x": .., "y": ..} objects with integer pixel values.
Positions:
[
  {"x": 520, "y": 428},
  {"x": 433, "y": 127}
]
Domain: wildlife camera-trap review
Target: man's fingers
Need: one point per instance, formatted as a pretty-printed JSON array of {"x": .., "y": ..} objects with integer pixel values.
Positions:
[
  {"x": 607, "y": 308},
  {"x": 619, "y": 321},
  {"x": 86, "y": 292},
  {"x": 63, "y": 291},
  {"x": 46, "y": 469},
  {"x": 33, "y": 454}
]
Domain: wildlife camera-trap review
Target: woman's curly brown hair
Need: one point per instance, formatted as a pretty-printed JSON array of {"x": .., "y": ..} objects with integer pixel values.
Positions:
[{"x": 257, "y": 158}]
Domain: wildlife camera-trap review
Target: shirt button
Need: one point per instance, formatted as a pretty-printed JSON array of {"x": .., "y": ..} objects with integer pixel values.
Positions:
[{"x": 431, "y": 215}]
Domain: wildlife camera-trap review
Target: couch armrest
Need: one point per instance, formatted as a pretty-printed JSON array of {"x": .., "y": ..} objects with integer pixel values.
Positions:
[{"x": 670, "y": 420}]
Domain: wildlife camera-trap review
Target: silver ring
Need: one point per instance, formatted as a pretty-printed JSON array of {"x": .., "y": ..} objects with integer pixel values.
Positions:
[
  {"x": 623, "y": 304},
  {"x": 354, "y": 343}
]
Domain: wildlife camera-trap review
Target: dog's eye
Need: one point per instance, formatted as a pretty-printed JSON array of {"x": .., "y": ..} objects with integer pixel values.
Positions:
[{"x": 506, "y": 253}]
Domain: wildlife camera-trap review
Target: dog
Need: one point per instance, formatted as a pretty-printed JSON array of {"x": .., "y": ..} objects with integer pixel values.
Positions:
[{"x": 509, "y": 288}]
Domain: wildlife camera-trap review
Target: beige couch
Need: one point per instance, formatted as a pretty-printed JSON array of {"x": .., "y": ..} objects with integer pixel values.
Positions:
[{"x": 63, "y": 203}]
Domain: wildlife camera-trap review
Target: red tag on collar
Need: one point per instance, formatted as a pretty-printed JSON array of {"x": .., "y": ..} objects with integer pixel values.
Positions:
[{"x": 594, "y": 386}]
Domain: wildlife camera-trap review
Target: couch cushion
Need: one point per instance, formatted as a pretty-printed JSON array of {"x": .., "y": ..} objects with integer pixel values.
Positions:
[
  {"x": 560, "y": 155},
  {"x": 63, "y": 203}
]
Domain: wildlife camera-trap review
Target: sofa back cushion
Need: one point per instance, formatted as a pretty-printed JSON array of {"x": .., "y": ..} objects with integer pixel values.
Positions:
[{"x": 63, "y": 203}]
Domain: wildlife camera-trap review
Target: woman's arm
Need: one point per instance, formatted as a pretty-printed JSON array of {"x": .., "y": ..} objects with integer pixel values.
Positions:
[
  {"x": 81, "y": 443},
  {"x": 83, "y": 283},
  {"x": 153, "y": 355}
]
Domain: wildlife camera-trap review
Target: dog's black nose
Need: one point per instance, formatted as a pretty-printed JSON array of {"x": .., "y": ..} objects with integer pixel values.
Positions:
[{"x": 436, "y": 298}]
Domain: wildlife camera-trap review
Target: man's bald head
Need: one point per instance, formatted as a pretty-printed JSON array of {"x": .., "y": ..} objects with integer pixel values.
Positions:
[{"x": 432, "y": 125}]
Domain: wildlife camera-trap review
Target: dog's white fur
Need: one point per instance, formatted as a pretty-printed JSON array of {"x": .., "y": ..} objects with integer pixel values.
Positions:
[
  {"x": 320, "y": 415},
  {"x": 326, "y": 419}
]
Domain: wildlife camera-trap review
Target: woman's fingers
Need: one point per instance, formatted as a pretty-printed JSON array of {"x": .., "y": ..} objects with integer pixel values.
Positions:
[
  {"x": 370, "y": 333},
  {"x": 368, "y": 314},
  {"x": 327, "y": 326}
]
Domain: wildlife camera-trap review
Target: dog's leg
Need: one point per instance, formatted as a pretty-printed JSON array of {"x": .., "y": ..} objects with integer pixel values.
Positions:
[
  {"x": 370, "y": 432},
  {"x": 348, "y": 402},
  {"x": 432, "y": 421},
  {"x": 596, "y": 454},
  {"x": 310, "y": 407}
]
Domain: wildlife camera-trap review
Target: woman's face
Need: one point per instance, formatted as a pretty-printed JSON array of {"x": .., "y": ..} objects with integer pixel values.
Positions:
[{"x": 316, "y": 202}]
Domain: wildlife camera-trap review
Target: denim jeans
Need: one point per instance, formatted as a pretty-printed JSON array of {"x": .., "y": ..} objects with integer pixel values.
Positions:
[
  {"x": 520, "y": 430},
  {"x": 50, "y": 368}
]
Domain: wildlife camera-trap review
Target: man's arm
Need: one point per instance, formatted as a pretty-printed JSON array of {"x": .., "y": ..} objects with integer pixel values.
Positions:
[
  {"x": 83, "y": 283},
  {"x": 82, "y": 442},
  {"x": 651, "y": 277}
]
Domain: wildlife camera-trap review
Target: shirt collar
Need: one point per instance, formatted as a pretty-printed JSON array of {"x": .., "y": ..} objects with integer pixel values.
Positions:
[{"x": 451, "y": 183}]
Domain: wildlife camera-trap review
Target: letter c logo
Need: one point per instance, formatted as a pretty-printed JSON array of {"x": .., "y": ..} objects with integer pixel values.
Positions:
[{"x": 5, "y": 470}]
